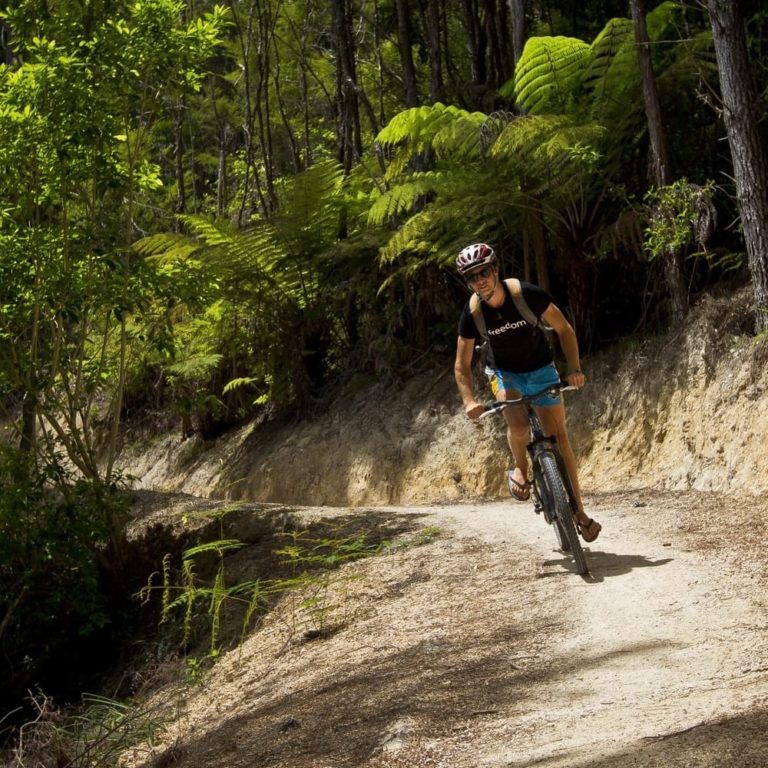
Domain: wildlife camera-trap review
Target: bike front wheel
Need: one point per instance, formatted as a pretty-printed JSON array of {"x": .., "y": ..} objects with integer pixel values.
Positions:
[{"x": 560, "y": 511}]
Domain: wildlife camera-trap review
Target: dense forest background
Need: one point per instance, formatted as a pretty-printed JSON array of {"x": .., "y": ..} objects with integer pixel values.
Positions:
[{"x": 225, "y": 211}]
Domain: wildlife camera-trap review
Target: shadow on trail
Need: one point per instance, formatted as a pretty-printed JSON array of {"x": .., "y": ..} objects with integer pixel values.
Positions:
[
  {"x": 424, "y": 688},
  {"x": 607, "y": 564},
  {"x": 342, "y": 719},
  {"x": 601, "y": 565},
  {"x": 735, "y": 741}
]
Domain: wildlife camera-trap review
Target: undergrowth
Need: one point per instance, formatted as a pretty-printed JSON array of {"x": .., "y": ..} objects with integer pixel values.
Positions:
[{"x": 201, "y": 606}]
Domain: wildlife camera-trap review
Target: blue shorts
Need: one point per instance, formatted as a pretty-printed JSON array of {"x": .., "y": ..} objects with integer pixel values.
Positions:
[{"x": 525, "y": 383}]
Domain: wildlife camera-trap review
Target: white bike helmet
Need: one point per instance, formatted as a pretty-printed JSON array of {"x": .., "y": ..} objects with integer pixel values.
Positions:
[{"x": 473, "y": 256}]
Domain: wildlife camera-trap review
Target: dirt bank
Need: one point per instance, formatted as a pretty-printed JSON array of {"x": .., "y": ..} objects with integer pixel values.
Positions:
[{"x": 681, "y": 411}]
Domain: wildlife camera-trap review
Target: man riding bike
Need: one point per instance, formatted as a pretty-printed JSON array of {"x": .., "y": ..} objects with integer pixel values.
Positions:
[{"x": 519, "y": 362}]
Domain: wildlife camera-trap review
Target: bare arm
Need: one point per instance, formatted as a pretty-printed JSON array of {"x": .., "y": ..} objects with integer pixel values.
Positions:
[
  {"x": 556, "y": 320},
  {"x": 462, "y": 370}
]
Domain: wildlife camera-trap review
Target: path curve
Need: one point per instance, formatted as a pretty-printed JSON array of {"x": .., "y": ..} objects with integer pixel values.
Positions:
[{"x": 477, "y": 646}]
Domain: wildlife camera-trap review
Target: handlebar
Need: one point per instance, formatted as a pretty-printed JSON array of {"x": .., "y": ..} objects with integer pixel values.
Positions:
[{"x": 497, "y": 405}]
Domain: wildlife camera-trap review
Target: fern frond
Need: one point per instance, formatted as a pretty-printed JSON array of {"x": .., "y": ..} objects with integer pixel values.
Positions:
[
  {"x": 617, "y": 35},
  {"x": 413, "y": 236},
  {"x": 197, "y": 366},
  {"x": 432, "y": 234},
  {"x": 457, "y": 133},
  {"x": 219, "y": 547},
  {"x": 449, "y": 130},
  {"x": 166, "y": 247},
  {"x": 662, "y": 20},
  {"x": 310, "y": 207},
  {"x": 402, "y": 198},
  {"x": 212, "y": 234},
  {"x": 242, "y": 381},
  {"x": 404, "y": 127},
  {"x": 550, "y": 151},
  {"x": 548, "y": 73}
]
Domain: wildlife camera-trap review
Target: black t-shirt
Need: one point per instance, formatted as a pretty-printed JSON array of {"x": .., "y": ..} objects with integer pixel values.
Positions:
[{"x": 513, "y": 344}]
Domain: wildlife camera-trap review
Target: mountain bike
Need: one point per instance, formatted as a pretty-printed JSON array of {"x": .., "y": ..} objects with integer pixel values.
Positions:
[{"x": 552, "y": 491}]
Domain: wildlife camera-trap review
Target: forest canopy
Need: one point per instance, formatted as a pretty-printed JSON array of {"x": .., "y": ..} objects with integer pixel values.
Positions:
[{"x": 220, "y": 209}]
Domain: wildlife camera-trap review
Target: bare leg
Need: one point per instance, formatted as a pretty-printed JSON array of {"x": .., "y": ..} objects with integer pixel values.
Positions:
[{"x": 517, "y": 437}]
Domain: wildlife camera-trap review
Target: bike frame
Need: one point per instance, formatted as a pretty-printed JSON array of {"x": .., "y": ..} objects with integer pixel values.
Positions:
[{"x": 544, "y": 452}]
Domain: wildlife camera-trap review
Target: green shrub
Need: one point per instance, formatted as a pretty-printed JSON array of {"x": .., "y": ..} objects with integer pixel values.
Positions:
[{"x": 57, "y": 542}]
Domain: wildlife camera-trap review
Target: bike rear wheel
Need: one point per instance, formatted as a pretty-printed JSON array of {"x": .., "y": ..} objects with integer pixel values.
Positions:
[{"x": 560, "y": 511}]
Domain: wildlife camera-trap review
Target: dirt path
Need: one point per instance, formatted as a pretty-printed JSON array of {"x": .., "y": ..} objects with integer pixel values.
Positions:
[
  {"x": 663, "y": 640},
  {"x": 478, "y": 648}
]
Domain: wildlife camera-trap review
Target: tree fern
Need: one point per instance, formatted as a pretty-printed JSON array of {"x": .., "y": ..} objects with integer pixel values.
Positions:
[
  {"x": 196, "y": 366},
  {"x": 616, "y": 36},
  {"x": 546, "y": 149},
  {"x": 449, "y": 131},
  {"x": 420, "y": 125},
  {"x": 402, "y": 198},
  {"x": 310, "y": 208},
  {"x": 166, "y": 247},
  {"x": 548, "y": 72}
]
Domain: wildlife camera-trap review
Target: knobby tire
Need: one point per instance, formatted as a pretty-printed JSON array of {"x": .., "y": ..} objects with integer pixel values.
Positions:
[
  {"x": 561, "y": 510},
  {"x": 548, "y": 504}
]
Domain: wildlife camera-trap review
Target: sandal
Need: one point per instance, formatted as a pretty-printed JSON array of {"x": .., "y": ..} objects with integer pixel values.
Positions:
[
  {"x": 590, "y": 530},
  {"x": 519, "y": 491}
]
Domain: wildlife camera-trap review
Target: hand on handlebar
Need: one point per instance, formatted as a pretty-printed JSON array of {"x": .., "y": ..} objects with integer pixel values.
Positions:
[
  {"x": 576, "y": 379},
  {"x": 473, "y": 409}
]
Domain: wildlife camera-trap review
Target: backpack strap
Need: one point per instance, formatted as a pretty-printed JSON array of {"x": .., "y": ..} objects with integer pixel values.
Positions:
[
  {"x": 522, "y": 305},
  {"x": 477, "y": 315},
  {"x": 516, "y": 291}
]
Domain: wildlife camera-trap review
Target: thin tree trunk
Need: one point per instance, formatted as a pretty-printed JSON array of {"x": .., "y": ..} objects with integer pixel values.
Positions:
[
  {"x": 496, "y": 25},
  {"x": 517, "y": 13},
  {"x": 263, "y": 103},
  {"x": 475, "y": 41},
  {"x": 405, "y": 44},
  {"x": 245, "y": 37},
  {"x": 750, "y": 161},
  {"x": 677, "y": 295},
  {"x": 580, "y": 274},
  {"x": 181, "y": 190},
  {"x": 293, "y": 144},
  {"x": 432, "y": 15},
  {"x": 221, "y": 174},
  {"x": 348, "y": 109},
  {"x": 28, "y": 422}
]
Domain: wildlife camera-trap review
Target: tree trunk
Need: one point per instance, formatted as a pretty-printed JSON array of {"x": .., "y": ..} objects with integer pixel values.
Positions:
[
  {"x": 245, "y": 36},
  {"x": 178, "y": 136},
  {"x": 28, "y": 422},
  {"x": 677, "y": 295},
  {"x": 221, "y": 174},
  {"x": 432, "y": 12},
  {"x": 349, "y": 142},
  {"x": 517, "y": 13},
  {"x": 5, "y": 48},
  {"x": 580, "y": 274},
  {"x": 262, "y": 101},
  {"x": 750, "y": 162},
  {"x": 405, "y": 44},
  {"x": 475, "y": 42},
  {"x": 500, "y": 59}
]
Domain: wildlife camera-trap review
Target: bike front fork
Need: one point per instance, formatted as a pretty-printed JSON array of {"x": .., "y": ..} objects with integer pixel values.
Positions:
[{"x": 538, "y": 506}]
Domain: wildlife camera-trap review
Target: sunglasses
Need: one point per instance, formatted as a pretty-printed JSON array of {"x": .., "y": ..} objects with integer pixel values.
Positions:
[{"x": 481, "y": 274}]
